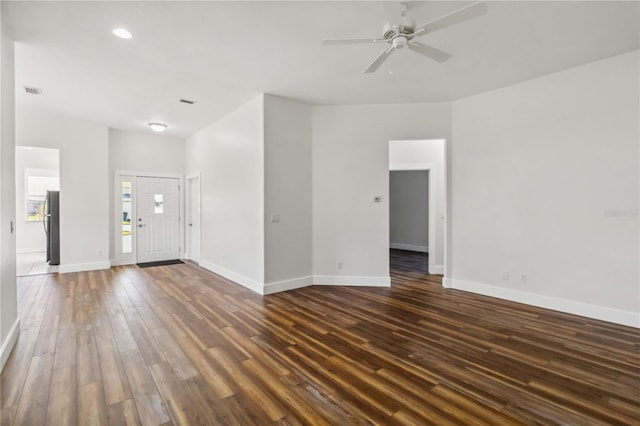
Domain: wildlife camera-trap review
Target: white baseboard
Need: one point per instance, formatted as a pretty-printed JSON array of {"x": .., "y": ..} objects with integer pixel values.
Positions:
[
  {"x": 80, "y": 267},
  {"x": 187, "y": 256},
  {"x": 249, "y": 283},
  {"x": 294, "y": 283},
  {"x": 436, "y": 269},
  {"x": 30, "y": 250},
  {"x": 347, "y": 280},
  {"x": 9, "y": 343},
  {"x": 563, "y": 305},
  {"x": 115, "y": 262},
  {"x": 410, "y": 247},
  {"x": 285, "y": 285}
]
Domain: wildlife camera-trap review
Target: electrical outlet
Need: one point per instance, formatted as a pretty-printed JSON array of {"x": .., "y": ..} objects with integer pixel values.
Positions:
[
  {"x": 523, "y": 278},
  {"x": 505, "y": 276},
  {"x": 339, "y": 264},
  {"x": 275, "y": 217}
]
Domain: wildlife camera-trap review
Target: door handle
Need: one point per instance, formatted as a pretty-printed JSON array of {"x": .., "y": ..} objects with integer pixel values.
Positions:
[
  {"x": 191, "y": 224},
  {"x": 141, "y": 225}
]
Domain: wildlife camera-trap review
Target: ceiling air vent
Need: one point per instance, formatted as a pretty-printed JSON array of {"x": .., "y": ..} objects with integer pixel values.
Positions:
[
  {"x": 187, "y": 101},
  {"x": 33, "y": 90}
]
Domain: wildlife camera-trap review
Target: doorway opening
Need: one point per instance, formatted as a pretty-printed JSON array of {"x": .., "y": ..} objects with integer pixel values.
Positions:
[
  {"x": 417, "y": 205},
  {"x": 37, "y": 244},
  {"x": 148, "y": 211},
  {"x": 409, "y": 219}
]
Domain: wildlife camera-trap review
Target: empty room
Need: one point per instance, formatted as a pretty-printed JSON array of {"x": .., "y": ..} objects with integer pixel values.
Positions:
[{"x": 320, "y": 212}]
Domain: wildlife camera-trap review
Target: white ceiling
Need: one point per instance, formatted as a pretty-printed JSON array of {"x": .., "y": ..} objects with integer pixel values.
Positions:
[{"x": 221, "y": 54}]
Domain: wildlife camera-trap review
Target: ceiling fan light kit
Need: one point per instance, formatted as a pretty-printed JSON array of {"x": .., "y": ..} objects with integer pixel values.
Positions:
[
  {"x": 400, "y": 32},
  {"x": 399, "y": 42}
]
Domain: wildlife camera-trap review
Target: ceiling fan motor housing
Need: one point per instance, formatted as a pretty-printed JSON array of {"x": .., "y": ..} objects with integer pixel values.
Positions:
[{"x": 407, "y": 28}]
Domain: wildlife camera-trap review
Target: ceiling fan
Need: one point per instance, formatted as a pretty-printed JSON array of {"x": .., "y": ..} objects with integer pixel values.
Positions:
[{"x": 401, "y": 32}]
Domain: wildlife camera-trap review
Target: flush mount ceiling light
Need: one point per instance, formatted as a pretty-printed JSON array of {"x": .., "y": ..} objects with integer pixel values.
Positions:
[
  {"x": 122, "y": 33},
  {"x": 158, "y": 127}
]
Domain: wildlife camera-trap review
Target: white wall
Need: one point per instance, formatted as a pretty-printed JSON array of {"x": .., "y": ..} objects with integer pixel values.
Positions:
[
  {"x": 229, "y": 154},
  {"x": 141, "y": 152},
  {"x": 145, "y": 152},
  {"x": 420, "y": 155},
  {"x": 9, "y": 322},
  {"x": 30, "y": 236},
  {"x": 409, "y": 210},
  {"x": 545, "y": 182},
  {"x": 287, "y": 159},
  {"x": 84, "y": 183},
  {"x": 350, "y": 167}
]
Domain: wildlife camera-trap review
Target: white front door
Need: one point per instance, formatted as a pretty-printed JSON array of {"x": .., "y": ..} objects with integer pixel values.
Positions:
[
  {"x": 158, "y": 222},
  {"x": 193, "y": 219}
]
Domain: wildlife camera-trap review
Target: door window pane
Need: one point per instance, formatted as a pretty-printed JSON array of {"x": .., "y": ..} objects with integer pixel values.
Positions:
[
  {"x": 127, "y": 238},
  {"x": 159, "y": 203}
]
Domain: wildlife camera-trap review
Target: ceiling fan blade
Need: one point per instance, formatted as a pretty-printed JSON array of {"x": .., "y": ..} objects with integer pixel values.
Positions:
[
  {"x": 373, "y": 66},
  {"x": 393, "y": 11},
  {"x": 468, "y": 12},
  {"x": 352, "y": 41},
  {"x": 430, "y": 52}
]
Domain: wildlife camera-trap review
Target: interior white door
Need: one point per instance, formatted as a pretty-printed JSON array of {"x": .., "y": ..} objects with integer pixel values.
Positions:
[
  {"x": 193, "y": 219},
  {"x": 158, "y": 224}
]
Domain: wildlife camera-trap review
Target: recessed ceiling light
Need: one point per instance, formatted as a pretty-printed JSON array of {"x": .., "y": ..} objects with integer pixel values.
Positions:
[
  {"x": 122, "y": 33},
  {"x": 158, "y": 127}
]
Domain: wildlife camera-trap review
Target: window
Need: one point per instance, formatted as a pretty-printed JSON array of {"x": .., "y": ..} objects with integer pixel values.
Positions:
[
  {"x": 37, "y": 187},
  {"x": 127, "y": 238},
  {"x": 158, "y": 203}
]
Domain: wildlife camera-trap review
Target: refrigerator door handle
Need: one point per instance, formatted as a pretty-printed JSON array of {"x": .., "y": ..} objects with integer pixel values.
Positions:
[{"x": 45, "y": 215}]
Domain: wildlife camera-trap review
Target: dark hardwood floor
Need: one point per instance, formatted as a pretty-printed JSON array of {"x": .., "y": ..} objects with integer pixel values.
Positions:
[
  {"x": 408, "y": 261},
  {"x": 179, "y": 345}
]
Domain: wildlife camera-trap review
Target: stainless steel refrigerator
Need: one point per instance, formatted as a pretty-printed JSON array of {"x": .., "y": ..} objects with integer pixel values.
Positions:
[{"x": 51, "y": 221}]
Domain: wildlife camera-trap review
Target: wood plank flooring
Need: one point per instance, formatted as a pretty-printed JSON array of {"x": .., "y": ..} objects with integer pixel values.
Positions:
[{"x": 179, "y": 345}]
